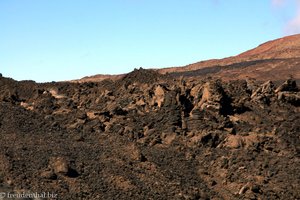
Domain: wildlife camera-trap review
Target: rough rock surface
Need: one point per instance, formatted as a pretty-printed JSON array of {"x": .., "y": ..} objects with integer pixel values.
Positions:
[{"x": 149, "y": 136}]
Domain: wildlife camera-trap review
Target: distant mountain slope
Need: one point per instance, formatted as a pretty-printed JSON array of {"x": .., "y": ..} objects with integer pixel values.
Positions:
[
  {"x": 287, "y": 47},
  {"x": 99, "y": 77},
  {"x": 277, "y": 59}
]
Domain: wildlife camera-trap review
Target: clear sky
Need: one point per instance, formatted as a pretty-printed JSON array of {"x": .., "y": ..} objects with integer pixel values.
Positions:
[{"x": 53, "y": 40}]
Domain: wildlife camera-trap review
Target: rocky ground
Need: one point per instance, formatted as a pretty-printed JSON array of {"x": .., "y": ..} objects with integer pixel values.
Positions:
[{"x": 151, "y": 136}]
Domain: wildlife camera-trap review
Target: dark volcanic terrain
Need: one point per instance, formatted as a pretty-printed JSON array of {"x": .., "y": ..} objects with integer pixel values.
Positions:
[{"x": 147, "y": 135}]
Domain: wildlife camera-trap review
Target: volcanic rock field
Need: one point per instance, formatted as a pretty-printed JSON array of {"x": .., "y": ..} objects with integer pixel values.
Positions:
[{"x": 151, "y": 136}]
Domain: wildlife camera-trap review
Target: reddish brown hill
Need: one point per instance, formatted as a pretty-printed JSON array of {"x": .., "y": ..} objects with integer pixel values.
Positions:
[
  {"x": 100, "y": 77},
  {"x": 277, "y": 59},
  {"x": 287, "y": 47}
]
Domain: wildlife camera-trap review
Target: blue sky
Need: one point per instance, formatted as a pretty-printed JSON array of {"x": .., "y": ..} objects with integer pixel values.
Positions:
[{"x": 55, "y": 40}]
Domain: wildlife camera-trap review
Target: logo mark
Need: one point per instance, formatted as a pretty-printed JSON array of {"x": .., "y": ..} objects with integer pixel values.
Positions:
[{"x": 2, "y": 195}]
